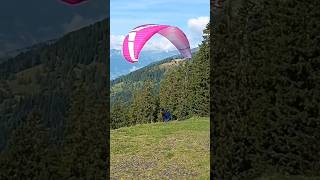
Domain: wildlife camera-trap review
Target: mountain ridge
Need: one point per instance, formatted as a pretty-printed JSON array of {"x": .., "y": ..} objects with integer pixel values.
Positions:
[{"x": 119, "y": 66}]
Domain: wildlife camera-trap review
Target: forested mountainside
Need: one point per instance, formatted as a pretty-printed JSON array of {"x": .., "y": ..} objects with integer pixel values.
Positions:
[
  {"x": 124, "y": 86},
  {"x": 54, "y": 107},
  {"x": 11, "y": 54},
  {"x": 119, "y": 66},
  {"x": 177, "y": 85}
]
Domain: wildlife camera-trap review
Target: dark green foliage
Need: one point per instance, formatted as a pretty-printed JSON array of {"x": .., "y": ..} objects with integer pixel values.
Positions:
[
  {"x": 119, "y": 114},
  {"x": 144, "y": 107},
  {"x": 174, "y": 91},
  {"x": 199, "y": 79},
  {"x": 133, "y": 81},
  {"x": 185, "y": 91},
  {"x": 84, "y": 153},
  {"x": 67, "y": 85},
  {"x": 27, "y": 154},
  {"x": 265, "y": 87}
]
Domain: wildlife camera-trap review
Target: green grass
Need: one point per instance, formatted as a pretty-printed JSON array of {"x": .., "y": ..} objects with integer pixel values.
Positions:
[{"x": 174, "y": 150}]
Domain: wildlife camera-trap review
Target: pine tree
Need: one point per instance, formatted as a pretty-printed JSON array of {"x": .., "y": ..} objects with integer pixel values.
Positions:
[
  {"x": 199, "y": 78},
  {"x": 119, "y": 114},
  {"x": 144, "y": 107},
  {"x": 185, "y": 90},
  {"x": 174, "y": 91}
]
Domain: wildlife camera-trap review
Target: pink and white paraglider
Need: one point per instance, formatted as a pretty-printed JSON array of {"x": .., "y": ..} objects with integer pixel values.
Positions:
[
  {"x": 137, "y": 38},
  {"x": 73, "y": 2}
]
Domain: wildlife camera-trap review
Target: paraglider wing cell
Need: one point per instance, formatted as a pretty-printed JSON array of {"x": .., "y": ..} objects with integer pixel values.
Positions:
[
  {"x": 178, "y": 39},
  {"x": 137, "y": 38}
]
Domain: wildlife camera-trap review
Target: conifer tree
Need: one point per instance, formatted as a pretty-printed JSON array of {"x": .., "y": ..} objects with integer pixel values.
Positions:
[
  {"x": 199, "y": 78},
  {"x": 173, "y": 94},
  {"x": 144, "y": 106},
  {"x": 185, "y": 90},
  {"x": 119, "y": 114}
]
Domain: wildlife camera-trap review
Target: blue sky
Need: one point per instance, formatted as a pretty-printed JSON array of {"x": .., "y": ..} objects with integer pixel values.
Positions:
[{"x": 189, "y": 15}]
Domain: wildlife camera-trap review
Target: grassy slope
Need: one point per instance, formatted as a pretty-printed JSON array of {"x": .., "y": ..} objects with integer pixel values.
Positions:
[{"x": 179, "y": 149}]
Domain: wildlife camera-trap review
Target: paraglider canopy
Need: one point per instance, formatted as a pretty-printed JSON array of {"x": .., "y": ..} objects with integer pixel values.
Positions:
[
  {"x": 137, "y": 38},
  {"x": 73, "y": 2}
]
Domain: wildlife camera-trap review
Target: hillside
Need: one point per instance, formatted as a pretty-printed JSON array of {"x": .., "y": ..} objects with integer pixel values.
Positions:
[
  {"x": 178, "y": 149},
  {"x": 119, "y": 66},
  {"x": 45, "y": 75},
  {"x": 125, "y": 85},
  {"x": 40, "y": 91}
]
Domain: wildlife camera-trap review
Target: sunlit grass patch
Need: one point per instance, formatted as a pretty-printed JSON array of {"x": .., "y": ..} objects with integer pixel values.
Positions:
[{"x": 178, "y": 149}]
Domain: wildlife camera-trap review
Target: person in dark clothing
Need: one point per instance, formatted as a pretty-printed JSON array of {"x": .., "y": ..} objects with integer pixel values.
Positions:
[
  {"x": 162, "y": 113},
  {"x": 166, "y": 115}
]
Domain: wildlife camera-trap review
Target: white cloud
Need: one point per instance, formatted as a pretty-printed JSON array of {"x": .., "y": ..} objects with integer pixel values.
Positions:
[
  {"x": 196, "y": 25},
  {"x": 116, "y": 41},
  {"x": 133, "y": 68},
  {"x": 158, "y": 43}
]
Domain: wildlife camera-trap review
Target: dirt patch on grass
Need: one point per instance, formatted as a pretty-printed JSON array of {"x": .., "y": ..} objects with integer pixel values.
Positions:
[
  {"x": 177, "y": 171},
  {"x": 132, "y": 164}
]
